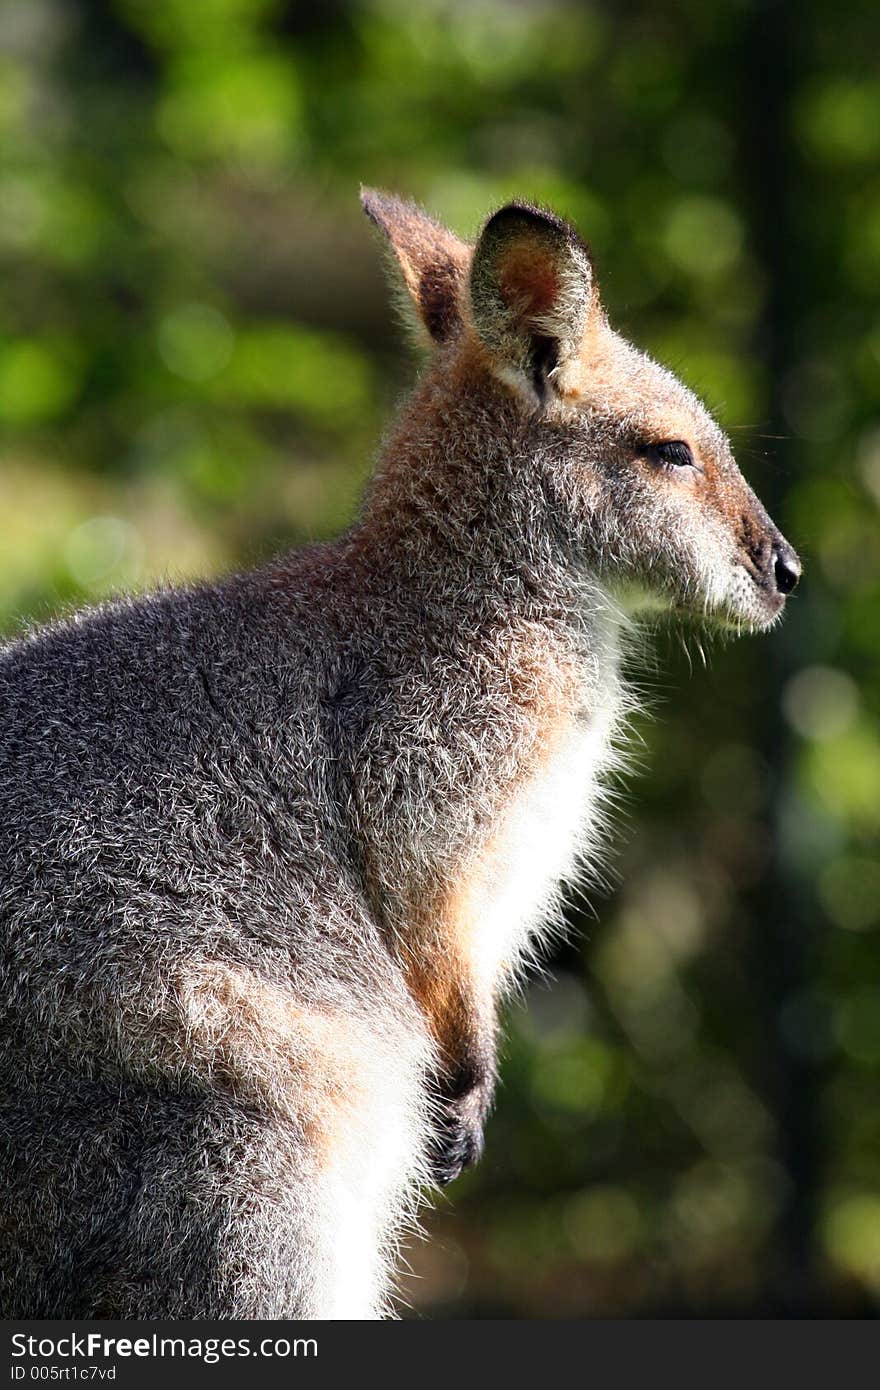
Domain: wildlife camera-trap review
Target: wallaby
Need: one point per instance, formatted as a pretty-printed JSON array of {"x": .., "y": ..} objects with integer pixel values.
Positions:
[{"x": 273, "y": 848}]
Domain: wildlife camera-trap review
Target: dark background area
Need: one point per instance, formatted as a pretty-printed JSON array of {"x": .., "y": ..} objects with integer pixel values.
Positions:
[{"x": 197, "y": 357}]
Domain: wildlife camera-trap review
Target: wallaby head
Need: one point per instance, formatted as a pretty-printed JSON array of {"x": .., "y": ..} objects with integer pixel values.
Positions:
[{"x": 625, "y": 470}]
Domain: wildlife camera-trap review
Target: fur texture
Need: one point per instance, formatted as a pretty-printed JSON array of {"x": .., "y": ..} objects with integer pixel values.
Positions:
[{"x": 273, "y": 848}]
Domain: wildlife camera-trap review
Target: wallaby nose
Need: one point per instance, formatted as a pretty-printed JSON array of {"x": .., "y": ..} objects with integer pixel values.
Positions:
[{"x": 786, "y": 567}]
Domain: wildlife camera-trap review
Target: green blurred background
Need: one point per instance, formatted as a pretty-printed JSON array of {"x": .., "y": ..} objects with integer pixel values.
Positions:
[{"x": 196, "y": 359}]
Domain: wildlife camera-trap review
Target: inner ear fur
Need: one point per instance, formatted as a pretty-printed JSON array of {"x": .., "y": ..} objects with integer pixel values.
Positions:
[
  {"x": 531, "y": 291},
  {"x": 433, "y": 260}
]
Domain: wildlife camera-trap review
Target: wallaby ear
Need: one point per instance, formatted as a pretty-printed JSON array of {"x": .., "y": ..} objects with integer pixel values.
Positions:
[
  {"x": 434, "y": 261},
  {"x": 532, "y": 293}
]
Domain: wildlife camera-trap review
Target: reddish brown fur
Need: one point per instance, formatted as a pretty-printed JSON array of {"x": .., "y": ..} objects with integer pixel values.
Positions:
[{"x": 458, "y": 1005}]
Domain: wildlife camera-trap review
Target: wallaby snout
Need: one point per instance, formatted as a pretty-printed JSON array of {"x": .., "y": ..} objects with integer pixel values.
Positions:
[{"x": 741, "y": 551}]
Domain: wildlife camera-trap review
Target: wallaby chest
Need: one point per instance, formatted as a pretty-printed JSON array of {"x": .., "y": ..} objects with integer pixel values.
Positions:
[{"x": 543, "y": 832}]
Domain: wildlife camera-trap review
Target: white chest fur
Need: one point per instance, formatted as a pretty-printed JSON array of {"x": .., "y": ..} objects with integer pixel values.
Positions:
[{"x": 550, "y": 826}]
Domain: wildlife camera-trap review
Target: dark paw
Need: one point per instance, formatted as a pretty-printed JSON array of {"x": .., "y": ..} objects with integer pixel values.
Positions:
[{"x": 456, "y": 1145}]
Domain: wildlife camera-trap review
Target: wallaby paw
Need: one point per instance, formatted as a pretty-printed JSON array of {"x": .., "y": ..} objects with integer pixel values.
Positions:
[{"x": 456, "y": 1145}]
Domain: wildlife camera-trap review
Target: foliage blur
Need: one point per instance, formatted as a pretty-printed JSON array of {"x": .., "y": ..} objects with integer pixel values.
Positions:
[{"x": 196, "y": 359}]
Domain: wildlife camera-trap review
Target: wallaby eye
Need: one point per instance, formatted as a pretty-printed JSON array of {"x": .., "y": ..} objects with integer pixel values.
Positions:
[{"x": 674, "y": 453}]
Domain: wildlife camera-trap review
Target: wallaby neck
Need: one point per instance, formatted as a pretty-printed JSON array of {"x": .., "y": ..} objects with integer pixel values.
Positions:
[
  {"x": 456, "y": 516},
  {"x": 501, "y": 651}
]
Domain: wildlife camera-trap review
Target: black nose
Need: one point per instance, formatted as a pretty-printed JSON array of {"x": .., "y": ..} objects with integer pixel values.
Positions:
[{"x": 786, "y": 567}]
